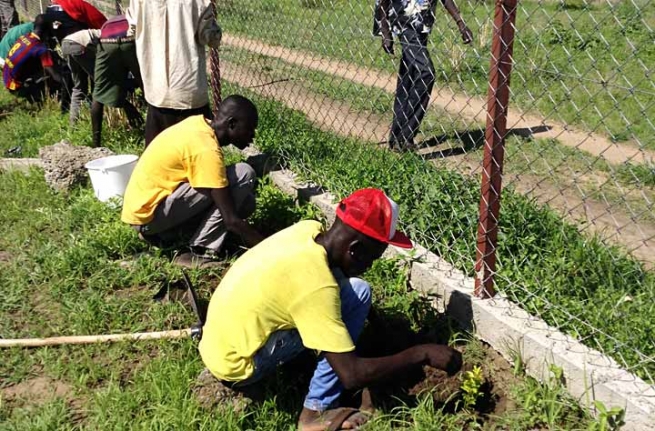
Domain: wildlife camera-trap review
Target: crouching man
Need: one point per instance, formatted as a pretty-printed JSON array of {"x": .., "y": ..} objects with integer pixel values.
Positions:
[
  {"x": 298, "y": 290},
  {"x": 181, "y": 187}
]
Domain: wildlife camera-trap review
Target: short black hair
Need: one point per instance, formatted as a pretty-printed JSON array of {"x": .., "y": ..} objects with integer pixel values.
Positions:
[{"x": 239, "y": 107}]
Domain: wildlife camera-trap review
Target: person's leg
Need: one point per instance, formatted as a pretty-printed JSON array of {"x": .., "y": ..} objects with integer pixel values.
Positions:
[
  {"x": 80, "y": 89},
  {"x": 153, "y": 124},
  {"x": 281, "y": 347},
  {"x": 97, "y": 110},
  {"x": 325, "y": 387},
  {"x": 211, "y": 233},
  {"x": 174, "y": 214},
  {"x": 423, "y": 82},
  {"x": 8, "y": 16},
  {"x": 403, "y": 90},
  {"x": 160, "y": 119}
]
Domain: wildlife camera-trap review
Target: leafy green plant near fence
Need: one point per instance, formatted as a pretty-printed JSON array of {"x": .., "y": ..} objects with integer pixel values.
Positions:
[{"x": 590, "y": 290}]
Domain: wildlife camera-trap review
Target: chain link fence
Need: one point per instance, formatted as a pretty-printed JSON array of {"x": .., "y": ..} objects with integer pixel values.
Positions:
[{"x": 576, "y": 238}]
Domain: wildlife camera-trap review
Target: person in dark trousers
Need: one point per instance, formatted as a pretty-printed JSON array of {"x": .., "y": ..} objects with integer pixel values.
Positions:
[
  {"x": 115, "y": 61},
  {"x": 171, "y": 40},
  {"x": 411, "y": 21},
  {"x": 79, "y": 51},
  {"x": 8, "y": 16},
  {"x": 300, "y": 289}
]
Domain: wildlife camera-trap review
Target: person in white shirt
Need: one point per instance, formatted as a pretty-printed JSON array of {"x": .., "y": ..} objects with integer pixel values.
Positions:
[{"x": 171, "y": 38}]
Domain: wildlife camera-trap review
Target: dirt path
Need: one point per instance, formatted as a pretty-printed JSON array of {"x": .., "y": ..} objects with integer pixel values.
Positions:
[
  {"x": 473, "y": 108},
  {"x": 339, "y": 117}
]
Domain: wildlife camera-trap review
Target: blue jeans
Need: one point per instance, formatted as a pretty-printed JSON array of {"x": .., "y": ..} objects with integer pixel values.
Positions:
[{"x": 282, "y": 346}]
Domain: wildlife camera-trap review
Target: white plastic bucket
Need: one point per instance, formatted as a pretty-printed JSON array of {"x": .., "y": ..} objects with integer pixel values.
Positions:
[{"x": 110, "y": 175}]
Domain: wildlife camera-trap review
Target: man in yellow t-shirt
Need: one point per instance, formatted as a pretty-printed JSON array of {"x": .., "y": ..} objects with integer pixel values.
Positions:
[
  {"x": 181, "y": 187},
  {"x": 298, "y": 290}
]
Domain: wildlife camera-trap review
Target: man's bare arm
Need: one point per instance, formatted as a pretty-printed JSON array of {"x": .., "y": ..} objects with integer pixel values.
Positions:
[
  {"x": 355, "y": 372},
  {"x": 233, "y": 223},
  {"x": 451, "y": 7}
]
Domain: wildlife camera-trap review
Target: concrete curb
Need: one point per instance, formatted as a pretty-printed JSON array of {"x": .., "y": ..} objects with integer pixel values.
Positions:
[
  {"x": 589, "y": 375},
  {"x": 19, "y": 164}
]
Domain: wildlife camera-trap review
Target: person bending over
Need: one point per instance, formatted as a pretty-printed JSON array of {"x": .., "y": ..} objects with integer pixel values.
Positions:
[{"x": 299, "y": 289}]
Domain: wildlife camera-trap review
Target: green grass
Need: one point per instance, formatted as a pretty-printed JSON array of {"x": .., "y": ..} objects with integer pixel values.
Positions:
[
  {"x": 31, "y": 128},
  {"x": 66, "y": 274},
  {"x": 583, "y": 65}
]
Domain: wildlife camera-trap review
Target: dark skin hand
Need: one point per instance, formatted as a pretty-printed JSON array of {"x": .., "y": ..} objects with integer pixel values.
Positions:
[
  {"x": 234, "y": 223},
  {"x": 355, "y": 372},
  {"x": 451, "y": 8},
  {"x": 53, "y": 74},
  {"x": 354, "y": 253}
]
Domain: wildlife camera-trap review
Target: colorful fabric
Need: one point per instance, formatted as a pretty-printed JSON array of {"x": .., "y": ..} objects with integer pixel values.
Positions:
[
  {"x": 12, "y": 36},
  {"x": 187, "y": 152},
  {"x": 282, "y": 283},
  {"x": 418, "y": 15},
  {"x": 23, "y": 60},
  {"x": 82, "y": 12},
  {"x": 115, "y": 28}
]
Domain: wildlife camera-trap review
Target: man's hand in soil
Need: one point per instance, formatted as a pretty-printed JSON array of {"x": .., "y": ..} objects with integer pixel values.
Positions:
[
  {"x": 443, "y": 357},
  {"x": 355, "y": 372},
  {"x": 467, "y": 34}
]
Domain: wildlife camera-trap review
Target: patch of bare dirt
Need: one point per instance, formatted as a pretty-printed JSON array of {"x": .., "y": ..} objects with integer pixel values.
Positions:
[
  {"x": 5, "y": 257},
  {"x": 37, "y": 391},
  {"x": 473, "y": 108}
]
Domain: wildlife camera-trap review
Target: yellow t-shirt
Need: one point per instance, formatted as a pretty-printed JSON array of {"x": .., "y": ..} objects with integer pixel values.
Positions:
[
  {"x": 282, "y": 283},
  {"x": 187, "y": 152}
]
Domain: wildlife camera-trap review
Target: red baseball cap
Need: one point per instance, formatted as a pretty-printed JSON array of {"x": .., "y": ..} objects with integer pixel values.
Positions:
[{"x": 373, "y": 213}]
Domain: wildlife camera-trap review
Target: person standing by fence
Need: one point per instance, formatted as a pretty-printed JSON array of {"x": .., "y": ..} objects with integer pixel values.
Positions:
[
  {"x": 170, "y": 40},
  {"x": 411, "y": 21}
]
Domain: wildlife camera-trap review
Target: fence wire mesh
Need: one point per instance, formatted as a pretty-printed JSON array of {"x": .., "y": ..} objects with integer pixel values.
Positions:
[{"x": 577, "y": 225}]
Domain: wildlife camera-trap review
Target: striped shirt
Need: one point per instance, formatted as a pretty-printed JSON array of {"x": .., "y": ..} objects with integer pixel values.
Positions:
[{"x": 24, "y": 59}]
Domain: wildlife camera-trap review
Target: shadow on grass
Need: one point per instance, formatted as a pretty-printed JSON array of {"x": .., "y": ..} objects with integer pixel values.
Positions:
[{"x": 471, "y": 140}]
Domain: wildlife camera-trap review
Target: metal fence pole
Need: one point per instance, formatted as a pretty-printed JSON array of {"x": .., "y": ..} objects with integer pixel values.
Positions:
[
  {"x": 494, "y": 146},
  {"x": 215, "y": 69}
]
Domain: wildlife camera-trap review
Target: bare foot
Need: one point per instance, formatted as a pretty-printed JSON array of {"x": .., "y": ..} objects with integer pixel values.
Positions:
[{"x": 343, "y": 418}]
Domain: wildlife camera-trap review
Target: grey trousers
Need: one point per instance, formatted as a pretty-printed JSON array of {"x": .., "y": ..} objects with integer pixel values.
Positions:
[
  {"x": 8, "y": 16},
  {"x": 415, "y": 82},
  {"x": 81, "y": 61},
  {"x": 190, "y": 212}
]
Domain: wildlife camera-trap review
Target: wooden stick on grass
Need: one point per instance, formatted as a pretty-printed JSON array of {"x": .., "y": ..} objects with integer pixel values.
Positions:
[{"x": 91, "y": 339}]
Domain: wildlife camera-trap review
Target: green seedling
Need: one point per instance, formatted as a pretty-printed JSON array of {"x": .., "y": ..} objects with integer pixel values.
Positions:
[
  {"x": 471, "y": 387},
  {"x": 608, "y": 419}
]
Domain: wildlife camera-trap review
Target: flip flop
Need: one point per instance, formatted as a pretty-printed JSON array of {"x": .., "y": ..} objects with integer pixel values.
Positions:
[{"x": 338, "y": 416}]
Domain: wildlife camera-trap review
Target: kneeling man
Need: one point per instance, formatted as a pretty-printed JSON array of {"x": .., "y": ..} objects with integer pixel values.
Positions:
[
  {"x": 181, "y": 187},
  {"x": 299, "y": 290}
]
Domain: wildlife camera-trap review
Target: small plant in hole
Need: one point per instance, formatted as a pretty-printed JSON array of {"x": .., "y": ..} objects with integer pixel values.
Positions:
[
  {"x": 471, "y": 387},
  {"x": 608, "y": 419}
]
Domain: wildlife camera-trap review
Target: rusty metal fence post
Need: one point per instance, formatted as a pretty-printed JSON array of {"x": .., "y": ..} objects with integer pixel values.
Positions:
[
  {"x": 215, "y": 69},
  {"x": 494, "y": 146}
]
